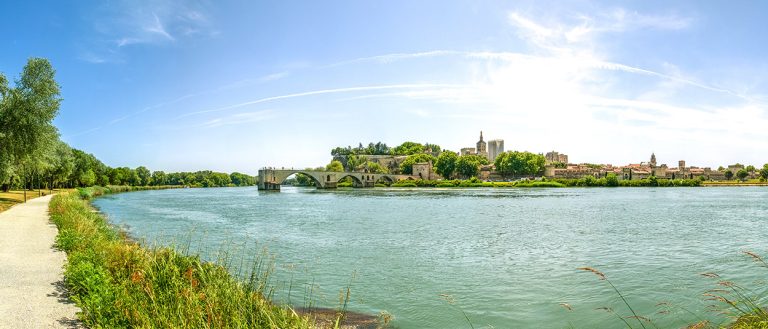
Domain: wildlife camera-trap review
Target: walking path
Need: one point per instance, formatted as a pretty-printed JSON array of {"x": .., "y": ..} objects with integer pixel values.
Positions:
[{"x": 32, "y": 293}]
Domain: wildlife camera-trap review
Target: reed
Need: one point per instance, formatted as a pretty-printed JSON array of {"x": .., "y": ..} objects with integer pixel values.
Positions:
[{"x": 120, "y": 284}]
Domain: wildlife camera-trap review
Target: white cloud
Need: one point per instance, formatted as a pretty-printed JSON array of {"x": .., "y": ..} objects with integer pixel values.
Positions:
[{"x": 126, "y": 23}]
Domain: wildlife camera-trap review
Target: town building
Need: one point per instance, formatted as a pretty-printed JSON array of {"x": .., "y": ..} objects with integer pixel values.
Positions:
[
  {"x": 425, "y": 170},
  {"x": 468, "y": 151},
  {"x": 482, "y": 147},
  {"x": 495, "y": 147},
  {"x": 552, "y": 157}
]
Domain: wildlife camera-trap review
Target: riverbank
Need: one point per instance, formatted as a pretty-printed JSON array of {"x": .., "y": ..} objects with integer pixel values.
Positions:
[
  {"x": 735, "y": 183},
  {"x": 589, "y": 181},
  {"x": 119, "y": 283},
  {"x": 32, "y": 293}
]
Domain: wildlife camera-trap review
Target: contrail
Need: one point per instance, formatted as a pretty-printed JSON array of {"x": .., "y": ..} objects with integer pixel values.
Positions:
[{"x": 320, "y": 92}]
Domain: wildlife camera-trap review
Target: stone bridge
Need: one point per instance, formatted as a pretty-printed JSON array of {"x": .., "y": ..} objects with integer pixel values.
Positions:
[{"x": 271, "y": 179}]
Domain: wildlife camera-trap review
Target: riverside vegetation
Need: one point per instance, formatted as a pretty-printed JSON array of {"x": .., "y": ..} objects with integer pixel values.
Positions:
[
  {"x": 32, "y": 155},
  {"x": 609, "y": 181},
  {"x": 741, "y": 304},
  {"x": 120, "y": 284}
]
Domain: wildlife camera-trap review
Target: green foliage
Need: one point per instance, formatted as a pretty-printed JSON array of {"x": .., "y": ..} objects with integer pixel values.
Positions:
[
  {"x": 353, "y": 162},
  {"x": 373, "y": 167},
  {"x": 408, "y": 148},
  {"x": 144, "y": 176},
  {"x": 469, "y": 165},
  {"x": 27, "y": 111},
  {"x": 728, "y": 174},
  {"x": 611, "y": 180},
  {"x": 559, "y": 165},
  {"x": 372, "y": 149},
  {"x": 742, "y": 174},
  {"x": 751, "y": 168},
  {"x": 590, "y": 181},
  {"x": 303, "y": 180},
  {"x": 446, "y": 164},
  {"x": 472, "y": 182},
  {"x": 519, "y": 163},
  {"x": 335, "y": 166},
  {"x": 119, "y": 284},
  {"x": 764, "y": 171},
  {"x": 406, "y": 167}
]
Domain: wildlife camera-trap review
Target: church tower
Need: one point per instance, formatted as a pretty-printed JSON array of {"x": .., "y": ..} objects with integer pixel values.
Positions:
[
  {"x": 482, "y": 147},
  {"x": 653, "y": 160}
]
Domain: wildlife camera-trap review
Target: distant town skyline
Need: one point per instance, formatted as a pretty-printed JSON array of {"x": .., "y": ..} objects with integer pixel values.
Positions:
[{"x": 235, "y": 85}]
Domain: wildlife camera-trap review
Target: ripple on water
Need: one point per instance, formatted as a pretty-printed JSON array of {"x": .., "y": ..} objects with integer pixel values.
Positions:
[{"x": 505, "y": 257}]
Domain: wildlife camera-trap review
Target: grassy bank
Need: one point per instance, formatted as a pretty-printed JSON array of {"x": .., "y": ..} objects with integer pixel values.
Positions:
[
  {"x": 548, "y": 182},
  {"x": 97, "y": 191},
  {"x": 120, "y": 284},
  {"x": 751, "y": 182}
]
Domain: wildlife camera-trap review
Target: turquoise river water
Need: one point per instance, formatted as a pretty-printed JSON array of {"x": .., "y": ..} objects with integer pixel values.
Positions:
[{"x": 505, "y": 258}]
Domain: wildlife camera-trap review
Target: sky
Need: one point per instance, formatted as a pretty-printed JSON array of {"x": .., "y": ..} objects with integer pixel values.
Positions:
[{"x": 237, "y": 85}]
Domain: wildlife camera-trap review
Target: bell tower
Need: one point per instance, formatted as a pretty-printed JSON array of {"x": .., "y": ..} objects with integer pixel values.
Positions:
[{"x": 482, "y": 147}]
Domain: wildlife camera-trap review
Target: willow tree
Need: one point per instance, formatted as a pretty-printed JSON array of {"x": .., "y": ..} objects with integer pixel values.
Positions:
[{"x": 26, "y": 114}]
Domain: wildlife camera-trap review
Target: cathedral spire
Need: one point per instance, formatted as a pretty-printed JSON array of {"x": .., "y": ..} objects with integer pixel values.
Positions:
[{"x": 481, "y": 135}]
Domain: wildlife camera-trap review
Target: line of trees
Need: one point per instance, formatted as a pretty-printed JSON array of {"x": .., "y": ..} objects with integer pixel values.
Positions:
[
  {"x": 32, "y": 155},
  {"x": 407, "y": 148}
]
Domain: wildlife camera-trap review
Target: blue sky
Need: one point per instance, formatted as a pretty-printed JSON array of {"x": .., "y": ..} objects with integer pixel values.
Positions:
[{"x": 236, "y": 85}]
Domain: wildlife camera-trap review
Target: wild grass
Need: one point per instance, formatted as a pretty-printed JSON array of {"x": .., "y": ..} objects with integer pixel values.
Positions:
[
  {"x": 119, "y": 284},
  {"x": 739, "y": 302},
  {"x": 742, "y": 307}
]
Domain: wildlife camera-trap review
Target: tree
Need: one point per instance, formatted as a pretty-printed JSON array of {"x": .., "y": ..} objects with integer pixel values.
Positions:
[
  {"x": 159, "y": 178},
  {"x": 519, "y": 163},
  {"x": 144, "y": 175},
  {"x": 742, "y": 174},
  {"x": 751, "y": 168},
  {"x": 611, "y": 180},
  {"x": 353, "y": 161},
  {"x": 335, "y": 165},
  {"x": 374, "y": 167},
  {"x": 408, "y": 148},
  {"x": 61, "y": 164},
  {"x": 764, "y": 171},
  {"x": 434, "y": 148},
  {"x": 406, "y": 167},
  {"x": 728, "y": 174},
  {"x": 26, "y": 115},
  {"x": 446, "y": 164},
  {"x": 469, "y": 165},
  {"x": 87, "y": 178}
]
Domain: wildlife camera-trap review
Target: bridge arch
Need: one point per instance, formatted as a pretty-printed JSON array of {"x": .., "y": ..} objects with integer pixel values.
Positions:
[
  {"x": 357, "y": 180},
  {"x": 318, "y": 180}
]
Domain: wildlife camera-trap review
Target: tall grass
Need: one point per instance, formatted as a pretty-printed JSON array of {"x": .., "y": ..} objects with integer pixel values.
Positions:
[
  {"x": 744, "y": 308},
  {"x": 120, "y": 284},
  {"x": 744, "y": 304}
]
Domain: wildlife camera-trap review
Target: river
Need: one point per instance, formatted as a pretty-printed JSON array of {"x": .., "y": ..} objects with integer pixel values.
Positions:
[{"x": 495, "y": 258}]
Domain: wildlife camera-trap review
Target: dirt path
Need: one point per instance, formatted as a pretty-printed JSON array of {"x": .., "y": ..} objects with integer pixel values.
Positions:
[{"x": 31, "y": 289}]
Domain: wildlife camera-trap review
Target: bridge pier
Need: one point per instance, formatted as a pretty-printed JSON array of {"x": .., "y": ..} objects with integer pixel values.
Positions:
[{"x": 267, "y": 186}]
